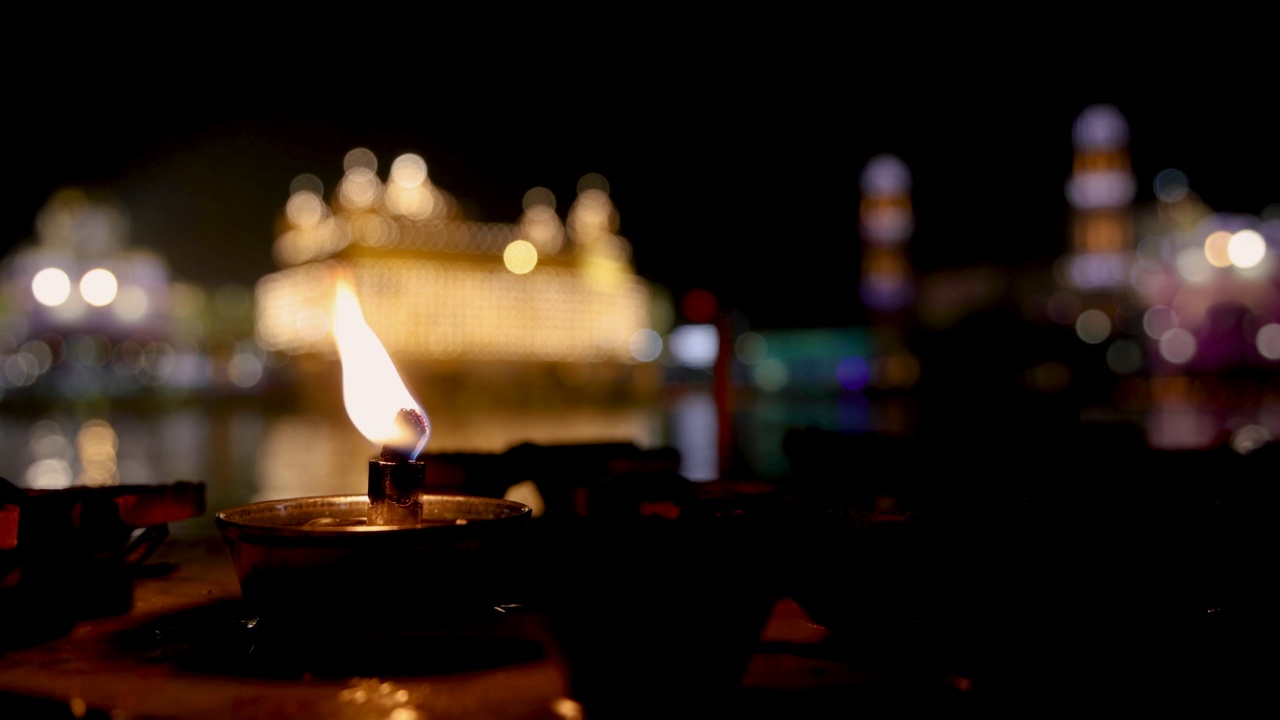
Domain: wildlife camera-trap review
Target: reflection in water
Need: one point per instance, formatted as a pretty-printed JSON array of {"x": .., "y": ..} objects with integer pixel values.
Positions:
[
  {"x": 695, "y": 434},
  {"x": 308, "y": 455},
  {"x": 249, "y": 454}
]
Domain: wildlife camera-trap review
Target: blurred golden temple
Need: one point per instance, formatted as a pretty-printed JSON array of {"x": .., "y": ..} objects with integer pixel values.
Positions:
[{"x": 461, "y": 299}]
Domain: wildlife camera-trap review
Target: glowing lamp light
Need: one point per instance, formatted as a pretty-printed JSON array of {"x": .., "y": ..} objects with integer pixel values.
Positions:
[{"x": 372, "y": 389}]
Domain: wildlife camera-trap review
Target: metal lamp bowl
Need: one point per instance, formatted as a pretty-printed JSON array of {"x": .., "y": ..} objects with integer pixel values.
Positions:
[{"x": 310, "y": 559}]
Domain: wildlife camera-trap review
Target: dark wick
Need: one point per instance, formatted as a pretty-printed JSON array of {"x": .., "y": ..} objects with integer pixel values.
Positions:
[{"x": 413, "y": 427}]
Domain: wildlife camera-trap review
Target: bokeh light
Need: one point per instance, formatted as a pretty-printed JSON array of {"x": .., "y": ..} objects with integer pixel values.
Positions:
[
  {"x": 538, "y": 197},
  {"x": 98, "y": 287},
  {"x": 646, "y": 345},
  {"x": 1124, "y": 356},
  {"x": 1250, "y": 437},
  {"x": 304, "y": 209},
  {"x": 750, "y": 347},
  {"x": 96, "y": 445},
  {"x": 520, "y": 257},
  {"x": 699, "y": 306},
  {"x": 1193, "y": 266},
  {"x": 770, "y": 375},
  {"x": 360, "y": 189},
  {"x": 853, "y": 373},
  {"x": 132, "y": 303},
  {"x": 307, "y": 182},
  {"x": 1268, "y": 341},
  {"x": 408, "y": 170},
  {"x": 1093, "y": 326},
  {"x": 1157, "y": 320},
  {"x": 1178, "y": 346},
  {"x": 245, "y": 369},
  {"x": 526, "y": 491},
  {"x": 51, "y": 286},
  {"x": 1171, "y": 185},
  {"x": 1246, "y": 248},
  {"x": 695, "y": 346},
  {"x": 1215, "y": 249},
  {"x": 360, "y": 158}
]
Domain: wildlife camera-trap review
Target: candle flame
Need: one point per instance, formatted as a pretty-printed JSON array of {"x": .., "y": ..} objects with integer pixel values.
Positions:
[{"x": 372, "y": 389}]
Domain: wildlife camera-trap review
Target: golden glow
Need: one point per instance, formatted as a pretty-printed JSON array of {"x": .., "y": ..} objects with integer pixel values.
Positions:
[
  {"x": 98, "y": 287},
  {"x": 372, "y": 230},
  {"x": 308, "y": 183},
  {"x": 539, "y": 196},
  {"x": 881, "y": 261},
  {"x": 900, "y": 370},
  {"x": 415, "y": 201},
  {"x": 445, "y": 318},
  {"x": 51, "y": 287},
  {"x": 542, "y": 227},
  {"x": 96, "y": 444},
  {"x": 372, "y": 389},
  {"x": 1102, "y": 231},
  {"x": 360, "y": 189},
  {"x": 1215, "y": 249},
  {"x": 567, "y": 709},
  {"x": 436, "y": 286},
  {"x": 361, "y": 158},
  {"x": 526, "y": 491},
  {"x": 520, "y": 257},
  {"x": 408, "y": 170},
  {"x": 305, "y": 209},
  {"x": 378, "y": 700},
  {"x": 591, "y": 217}
]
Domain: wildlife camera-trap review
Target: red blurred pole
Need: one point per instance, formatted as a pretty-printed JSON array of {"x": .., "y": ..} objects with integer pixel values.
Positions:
[{"x": 722, "y": 389}]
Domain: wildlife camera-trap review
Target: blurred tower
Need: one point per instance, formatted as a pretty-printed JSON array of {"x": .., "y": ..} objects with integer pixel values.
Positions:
[
  {"x": 886, "y": 222},
  {"x": 1100, "y": 191}
]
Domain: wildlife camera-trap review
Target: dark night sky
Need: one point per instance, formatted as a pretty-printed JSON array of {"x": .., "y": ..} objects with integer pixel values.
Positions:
[{"x": 733, "y": 163}]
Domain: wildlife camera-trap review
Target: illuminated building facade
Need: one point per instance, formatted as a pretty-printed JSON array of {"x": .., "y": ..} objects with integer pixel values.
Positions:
[
  {"x": 85, "y": 315},
  {"x": 1184, "y": 301},
  {"x": 442, "y": 291},
  {"x": 1208, "y": 284},
  {"x": 80, "y": 277}
]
